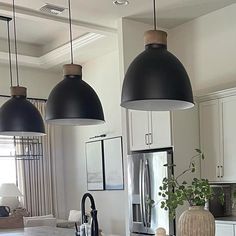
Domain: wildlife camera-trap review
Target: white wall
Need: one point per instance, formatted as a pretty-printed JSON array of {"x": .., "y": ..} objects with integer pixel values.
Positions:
[
  {"x": 103, "y": 75},
  {"x": 39, "y": 84},
  {"x": 206, "y": 46}
]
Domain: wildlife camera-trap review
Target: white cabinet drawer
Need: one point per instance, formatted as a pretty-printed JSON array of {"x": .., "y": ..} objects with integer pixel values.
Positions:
[{"x": 224, "y": 229}]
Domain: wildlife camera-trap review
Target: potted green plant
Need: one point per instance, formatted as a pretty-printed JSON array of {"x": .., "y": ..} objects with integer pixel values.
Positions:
[{"x": 196, "y": 221}]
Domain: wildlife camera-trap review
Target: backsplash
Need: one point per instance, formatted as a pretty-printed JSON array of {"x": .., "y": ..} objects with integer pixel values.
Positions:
[
  {"x": 233, "y": 190},
  {"x": 229, "y": 206}
]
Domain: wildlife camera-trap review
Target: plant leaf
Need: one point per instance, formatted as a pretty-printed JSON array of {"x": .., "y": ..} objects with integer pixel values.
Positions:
[{"x": 198, "y": 150}]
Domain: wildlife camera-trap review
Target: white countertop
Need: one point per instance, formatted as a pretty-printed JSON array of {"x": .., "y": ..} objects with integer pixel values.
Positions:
[
  {"x": 38, "y": 231},
  {"x": 41, "y": 231}
]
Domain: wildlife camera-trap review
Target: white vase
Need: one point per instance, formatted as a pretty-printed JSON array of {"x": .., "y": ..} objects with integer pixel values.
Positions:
[{"x": 196, "y": 222}]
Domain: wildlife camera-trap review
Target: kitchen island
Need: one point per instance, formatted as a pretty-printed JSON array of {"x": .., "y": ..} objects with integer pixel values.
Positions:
[
  {"x": 38, "y": 231},
  {"x": 41, "y": 231}
]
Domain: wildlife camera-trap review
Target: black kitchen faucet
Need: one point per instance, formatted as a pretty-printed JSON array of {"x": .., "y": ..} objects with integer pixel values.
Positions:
[{"x": 94, "y": 225}]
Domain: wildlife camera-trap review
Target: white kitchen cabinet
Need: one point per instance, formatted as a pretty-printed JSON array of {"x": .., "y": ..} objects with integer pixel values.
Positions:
[
  {"x": 160, "y": 129},
  {"x": 210, "y": 139},
  {"x": 149, "y": 130},
  {"x": 138, "y": 130},
  {"x": 218, "y": 139},
  {"x": 228, "y": 106},
  {"x": 224, "y": 229}
]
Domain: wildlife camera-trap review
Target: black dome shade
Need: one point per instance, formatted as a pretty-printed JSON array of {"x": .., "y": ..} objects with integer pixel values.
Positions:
[
  {"x": 156, "y": 80},
  {"x": 19, "y": 117},
  {"x": 74, "y": 102}
]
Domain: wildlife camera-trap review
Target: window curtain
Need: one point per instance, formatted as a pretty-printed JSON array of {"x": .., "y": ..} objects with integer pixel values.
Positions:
[{"x": 36, "y": 177}]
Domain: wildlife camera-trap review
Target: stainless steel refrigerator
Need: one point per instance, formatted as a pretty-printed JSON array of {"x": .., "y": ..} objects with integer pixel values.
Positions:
[{"x": 145, "y": 174}]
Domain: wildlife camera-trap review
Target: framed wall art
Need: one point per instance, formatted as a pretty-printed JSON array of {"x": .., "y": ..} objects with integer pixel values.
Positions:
[
  {"x": 113, "y": 164},
  {"x": 94, "y": 162},
  {"x": 104, "y": 160}
]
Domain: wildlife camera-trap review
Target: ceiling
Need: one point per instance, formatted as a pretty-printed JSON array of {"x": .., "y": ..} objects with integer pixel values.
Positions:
[
  {"x": 47, "y": 33},
  {"x": 35, "y": 32},
  {"x": 103, "y": 12},
  {"x": 172, "y": 13}
]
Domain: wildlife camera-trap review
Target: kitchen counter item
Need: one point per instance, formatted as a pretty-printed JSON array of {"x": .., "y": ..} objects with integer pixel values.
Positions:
[
  {"x": 15, "y": 220},
  {"x": 4, "y": 211},
  {"x": 161, "y": 232},
  {"x": 196, "y": 221}
]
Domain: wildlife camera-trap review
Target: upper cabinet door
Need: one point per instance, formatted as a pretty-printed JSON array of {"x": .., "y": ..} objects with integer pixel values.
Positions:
[
  {"x": 210, "y": 139},
  {"x": 160, "y": 133},
  {"x": 228, "y": 106},
  {"x": 138, "y": 130},
  {"x": 149, "y": 130}
]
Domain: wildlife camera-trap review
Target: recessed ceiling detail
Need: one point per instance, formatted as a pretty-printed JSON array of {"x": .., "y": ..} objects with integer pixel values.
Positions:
[
  {"x": 52, "y": 9},
  {"x": 57, "y": 56},
  {"x": 43, "y": 41}
]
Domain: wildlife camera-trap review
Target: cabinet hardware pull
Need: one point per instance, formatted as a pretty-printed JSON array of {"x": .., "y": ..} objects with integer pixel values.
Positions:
[
  {"x": 218, "y": 171},
  {"x": 151, "y": 139},
  {"x": 146, "y": 139},
  {"x": 221, "y": 172}
]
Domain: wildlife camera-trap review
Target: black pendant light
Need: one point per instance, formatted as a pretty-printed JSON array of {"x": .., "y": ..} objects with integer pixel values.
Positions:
[
  {"x": 18, "y": 116},
  {"x": 73, "y": 101},
  {"x": 156, "y": 80}
]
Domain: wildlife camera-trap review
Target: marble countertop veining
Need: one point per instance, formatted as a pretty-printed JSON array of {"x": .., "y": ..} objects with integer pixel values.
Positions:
[{"x": 38, "y": 231}]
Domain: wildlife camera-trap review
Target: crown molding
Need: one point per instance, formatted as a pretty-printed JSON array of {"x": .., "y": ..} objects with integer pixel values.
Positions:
[
  {"x": 59, "y": 55},
  {"x": 23, "y": 60},
  {"x": 217, "y": 95}
]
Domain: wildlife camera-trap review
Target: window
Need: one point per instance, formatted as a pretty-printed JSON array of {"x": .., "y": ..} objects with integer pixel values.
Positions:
[
  {"x": 7, "y": 170},
  {"x": 13, "y": 149},
  {"x": 7, "y": 160}
]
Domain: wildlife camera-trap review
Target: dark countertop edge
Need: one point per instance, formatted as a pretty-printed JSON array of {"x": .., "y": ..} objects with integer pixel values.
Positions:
[{"x": 226, "y": 219}]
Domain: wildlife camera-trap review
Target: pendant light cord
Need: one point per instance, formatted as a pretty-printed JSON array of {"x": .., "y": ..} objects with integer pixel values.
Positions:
[
  {"x": 71, "y": 37},
  {"x": 154, "y": 15},
  {"x": 9, "y": 51},
  {"x": 15, "y": 36}
]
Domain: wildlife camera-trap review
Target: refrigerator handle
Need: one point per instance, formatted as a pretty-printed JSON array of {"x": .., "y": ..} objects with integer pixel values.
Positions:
[
  {"x": 141, "y": 191},
  {"x": 144, "y": 195},
  {"x": 147, "y": 183}
]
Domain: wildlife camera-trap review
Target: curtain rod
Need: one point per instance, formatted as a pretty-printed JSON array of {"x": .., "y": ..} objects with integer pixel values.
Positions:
[{"x": 37, "y": 99}]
